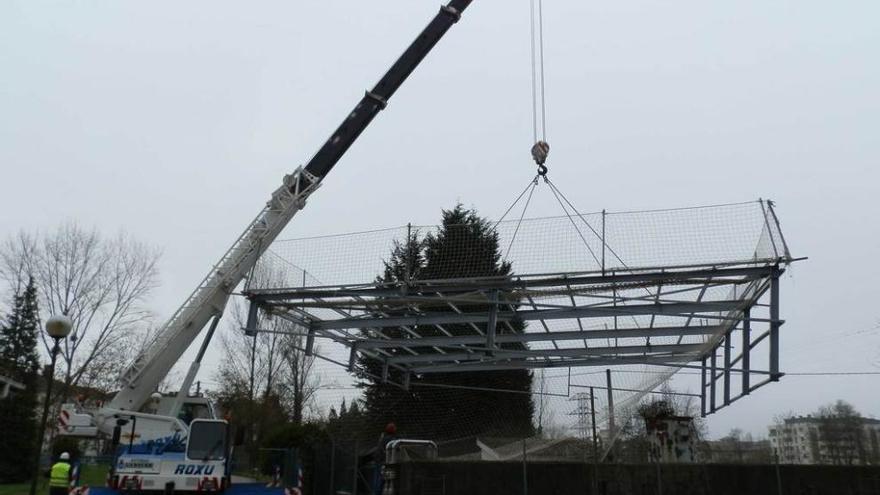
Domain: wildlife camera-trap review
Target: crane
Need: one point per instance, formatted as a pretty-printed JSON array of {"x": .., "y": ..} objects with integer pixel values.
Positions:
[{"x": 136, "y": 399}]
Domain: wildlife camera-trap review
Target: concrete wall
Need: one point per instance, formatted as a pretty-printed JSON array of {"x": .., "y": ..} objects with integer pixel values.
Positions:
[{"x": 467, "y": 478}]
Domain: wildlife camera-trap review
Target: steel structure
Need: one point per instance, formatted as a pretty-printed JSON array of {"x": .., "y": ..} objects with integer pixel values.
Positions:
[{"x": 672, "y": 316}]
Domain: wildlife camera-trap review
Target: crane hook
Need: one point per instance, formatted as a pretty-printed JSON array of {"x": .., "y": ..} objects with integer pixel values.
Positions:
[{"x": 540, "y": 150}]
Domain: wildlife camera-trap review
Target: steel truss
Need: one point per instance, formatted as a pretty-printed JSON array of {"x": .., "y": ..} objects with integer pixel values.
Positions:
[{"x": 681, "y": 317}]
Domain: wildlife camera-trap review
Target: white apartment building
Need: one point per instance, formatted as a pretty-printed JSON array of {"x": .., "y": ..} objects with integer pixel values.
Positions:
[{"x": 799, "y": 440}]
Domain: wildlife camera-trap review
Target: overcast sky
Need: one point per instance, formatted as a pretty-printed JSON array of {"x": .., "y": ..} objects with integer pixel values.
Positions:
[{"x": 175, "y": 120}]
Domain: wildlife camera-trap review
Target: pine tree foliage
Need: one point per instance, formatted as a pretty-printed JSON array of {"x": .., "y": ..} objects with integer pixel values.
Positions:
[
  {"x": 466, "y": 245},
  {"x": 19, "y": 361}
]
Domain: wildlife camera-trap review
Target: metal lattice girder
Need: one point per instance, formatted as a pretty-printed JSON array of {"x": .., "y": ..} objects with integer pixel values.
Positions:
[
  {"x": 543, "y": 337},
  {"x": 641, "y": 276},
  {"x": 673, "y": 349},
  {"x": 672, "y": 309},
  {"x": 516, "y": 364}
]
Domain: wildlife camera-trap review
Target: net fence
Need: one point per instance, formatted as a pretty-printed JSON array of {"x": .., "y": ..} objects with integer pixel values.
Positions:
[
  {"x": 467, "y": 247},
  {"x": 722, "y": 234}
]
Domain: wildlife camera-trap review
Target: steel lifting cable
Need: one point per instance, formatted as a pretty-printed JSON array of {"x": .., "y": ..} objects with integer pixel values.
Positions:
[
  {"x": 593, "y": 230},
  {"x": 532, "y": 183},
  {"x": 559, "y": 194},
  {"x": 556, "y": 194},
  {"x": 530, "y": 189},
  {"x": 540, "y": 149},
  {"x": 521, "y": 216}
]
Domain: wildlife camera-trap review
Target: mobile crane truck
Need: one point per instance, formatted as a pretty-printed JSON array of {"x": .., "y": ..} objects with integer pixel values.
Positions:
[{"x": 177, "y": 443}]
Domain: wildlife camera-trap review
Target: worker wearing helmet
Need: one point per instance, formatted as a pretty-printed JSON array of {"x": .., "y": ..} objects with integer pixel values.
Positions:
[{"x": 59, "y": 475}]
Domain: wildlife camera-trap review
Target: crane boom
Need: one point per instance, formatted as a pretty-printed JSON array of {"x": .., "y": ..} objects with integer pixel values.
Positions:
[{"x": 210, "y": 297}]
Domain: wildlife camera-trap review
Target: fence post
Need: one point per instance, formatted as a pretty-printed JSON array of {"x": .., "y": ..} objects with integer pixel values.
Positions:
[
  {"x": 354, "y": 486},
  {"x": 611, "y": 429},
  {"x": 595, "y": 483},
  {"x": 525, "y": 475},
  {"x": 659, "y": 480},
  {"x": 778, "y": 475},
  {"x": 332, "y": 466}
]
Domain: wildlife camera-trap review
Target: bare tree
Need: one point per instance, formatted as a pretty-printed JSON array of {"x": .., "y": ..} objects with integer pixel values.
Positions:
[
  {"x": 100, "y": 283},
  {"x": 272, "y": 363},
  {"x": 251, "y": 364},
  {"x": 841, "y": 433},
  {"x": 101, "y": 376},
  {"x": 298, "y": 382}
]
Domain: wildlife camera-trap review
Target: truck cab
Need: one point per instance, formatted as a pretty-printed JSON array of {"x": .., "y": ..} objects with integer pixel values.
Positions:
[{"x": 193, "y": 461}]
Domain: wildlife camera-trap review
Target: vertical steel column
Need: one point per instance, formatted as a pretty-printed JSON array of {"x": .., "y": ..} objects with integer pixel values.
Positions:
[
  {"x": 774, "y": 324},
  {"x": 713, "y": 378},
  {"x": 593, "y": 424},
  {"x": 310, "y": 342},
  {"x": 352, "y": 356},
  {"x": 250, "y": 327},
  {"x": 747, "y": 344},
  {"x": 703, "y": 388},
  {"x": 493, "y": 323},
  {"x": 611, "y": 429},
  {"x": 727, "y": 368}
]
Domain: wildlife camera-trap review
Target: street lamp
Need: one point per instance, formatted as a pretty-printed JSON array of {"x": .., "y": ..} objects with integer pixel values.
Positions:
[{"x": 58, "y": 327}]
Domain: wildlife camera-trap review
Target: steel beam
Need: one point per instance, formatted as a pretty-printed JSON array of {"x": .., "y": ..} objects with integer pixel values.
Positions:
[
  {"x": 502, "y": 354},
  {"x": 543, "y": 337},
  {"x": 310, "y": 342},
  {"x": 714, "y": 378},
  {"x": 703, "y": 387},
  {"x": 774, "y": 326},
  {"x": 492, "y": 324},
  {"x": 727, "y": 368},
  {"x": 662, "y": 274},
  {"x": 674, "y": 362},
  {"x": 747, "y": 347},
  {"x": 250, "y": 327},
  {"x": 671, "y": 309}
]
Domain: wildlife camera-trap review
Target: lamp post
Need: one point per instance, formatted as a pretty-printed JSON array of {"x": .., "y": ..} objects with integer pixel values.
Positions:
[{"x": 58, "y": 327}]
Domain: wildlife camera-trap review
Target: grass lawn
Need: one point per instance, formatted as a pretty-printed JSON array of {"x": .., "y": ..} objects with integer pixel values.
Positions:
[{"x": 92, "y": 475}]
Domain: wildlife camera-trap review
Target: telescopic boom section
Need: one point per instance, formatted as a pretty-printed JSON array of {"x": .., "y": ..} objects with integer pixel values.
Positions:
[
  {"x": 209, "y": 299},
  {"x": 374, "y": 101}
]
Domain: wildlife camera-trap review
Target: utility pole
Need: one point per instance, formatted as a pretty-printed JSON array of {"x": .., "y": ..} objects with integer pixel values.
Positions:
[
  {"x": 595, "y": 444},
  {"x": 611, "y": 428}
]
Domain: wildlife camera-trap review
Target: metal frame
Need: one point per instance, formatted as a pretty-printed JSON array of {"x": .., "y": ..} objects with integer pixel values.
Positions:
[
  {"x": 711, "y": 372},
  {"x": 463, "y": 325}
]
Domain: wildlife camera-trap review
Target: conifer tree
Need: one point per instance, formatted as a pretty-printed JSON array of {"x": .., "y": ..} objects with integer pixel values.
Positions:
[
  {"x": 466, "y": 245},
  {"x": 19, "y": 361}
]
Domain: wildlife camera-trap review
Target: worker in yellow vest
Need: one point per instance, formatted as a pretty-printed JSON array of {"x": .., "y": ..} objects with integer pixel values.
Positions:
[{"x": 59, "y": 475}]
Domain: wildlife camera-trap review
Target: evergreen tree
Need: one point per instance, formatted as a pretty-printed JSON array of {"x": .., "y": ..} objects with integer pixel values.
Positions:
[
  {"x": 466, "y": 245},
  {"x": 19, "y": 361}
]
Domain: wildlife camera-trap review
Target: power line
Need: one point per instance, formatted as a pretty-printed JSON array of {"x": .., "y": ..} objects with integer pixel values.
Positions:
[{"x": 834, "y": 373}]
